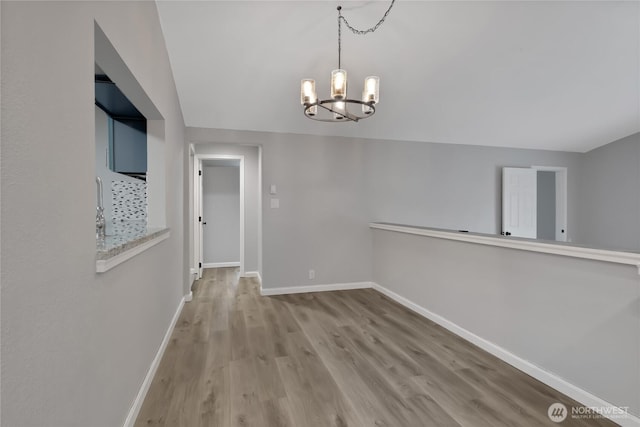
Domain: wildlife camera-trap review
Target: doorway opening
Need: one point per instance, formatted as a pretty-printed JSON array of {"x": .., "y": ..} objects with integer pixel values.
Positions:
[
  {"x": 534, "y": 202},
  {"x": 219, "y": 211}
]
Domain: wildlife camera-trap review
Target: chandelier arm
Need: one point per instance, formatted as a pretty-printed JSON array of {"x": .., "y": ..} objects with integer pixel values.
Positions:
[
  {"x": 344, "y": 114},
  {"x": 362, "y": 32}
]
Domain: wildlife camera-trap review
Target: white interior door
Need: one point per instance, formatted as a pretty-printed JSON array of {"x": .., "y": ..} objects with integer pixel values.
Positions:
[
  {"x": 519, "y": 202},
  {"x": 221, "y": 215},
  {"x": 199, "y": 223},
  {"x": 193, "y": 185}
]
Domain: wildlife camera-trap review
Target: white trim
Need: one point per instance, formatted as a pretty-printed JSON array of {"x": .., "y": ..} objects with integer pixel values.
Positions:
[
  {"x": 260, "y": 250},
  {"x": 193, "y": 210},
  {"x": 242, "y": 215},
  {"x": 188, "y": 297},
  {"x": 103, "y": 265},
  {"x": 628, "y": 258},
  {"x": 144, "y": 388},
  {"x": 220, "y": 264},
  {"x": 525, "y": 366},
  {"x": 193, "y": 277},
  {"x": 315, "y": 288},
  {"x": 253, "y": 274}
]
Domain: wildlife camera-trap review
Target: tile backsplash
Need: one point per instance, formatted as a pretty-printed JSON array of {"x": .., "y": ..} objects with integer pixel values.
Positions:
[{"x": 129, "y": 201}]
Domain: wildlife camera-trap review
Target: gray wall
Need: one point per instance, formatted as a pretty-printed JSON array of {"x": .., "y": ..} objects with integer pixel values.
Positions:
[
  {"x": 350, "y": 182},
  {"x": 451, "y": 186},
  {"x": 77, "y": 345},
  {"x": 546, "y": 205},
  {"x": 322, "y": 220},
  {"x": 221, "y": 212},
  {"x": 459, "y": 187},
  {"x": 575, "y": 318},
  {"x": 609, "y": 195},
  {"x": 252, "y": 220}
]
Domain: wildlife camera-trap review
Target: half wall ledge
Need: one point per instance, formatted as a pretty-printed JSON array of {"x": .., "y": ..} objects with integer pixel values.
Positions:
[{"x": 556, "y": 248}]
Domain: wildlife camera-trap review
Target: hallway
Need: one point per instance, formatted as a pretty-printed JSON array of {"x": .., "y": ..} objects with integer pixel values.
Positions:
[{"x": 346, "y": 358}]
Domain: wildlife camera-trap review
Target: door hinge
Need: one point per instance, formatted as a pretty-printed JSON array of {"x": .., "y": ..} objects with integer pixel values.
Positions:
[
  {"x": 199, "y": 265},
  {"x": 200, "y": 173},
  {"x": 199, "y": 219}
]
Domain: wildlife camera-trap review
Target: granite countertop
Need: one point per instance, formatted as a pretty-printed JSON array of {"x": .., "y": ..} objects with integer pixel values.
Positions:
[{"x": 125, "y": 235}]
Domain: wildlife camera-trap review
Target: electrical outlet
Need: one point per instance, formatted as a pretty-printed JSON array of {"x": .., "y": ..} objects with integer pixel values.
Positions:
[{"x": 312, "y": 274}]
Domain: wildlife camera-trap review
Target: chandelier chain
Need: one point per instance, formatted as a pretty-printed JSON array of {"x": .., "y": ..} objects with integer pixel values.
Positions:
[
  {"x": 369, "y": 30},
  {"x": 355, "y": 30}
]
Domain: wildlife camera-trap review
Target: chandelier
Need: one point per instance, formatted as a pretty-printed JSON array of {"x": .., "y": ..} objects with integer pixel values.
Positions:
[{"x": 339, "y": 108}]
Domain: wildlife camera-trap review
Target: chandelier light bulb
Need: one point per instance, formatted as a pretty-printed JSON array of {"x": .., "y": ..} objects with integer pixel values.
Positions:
[
  {"x": 308, "y": 91},
  {"x": 372, "y": 89},
  {"x": 338, "y": 84}
]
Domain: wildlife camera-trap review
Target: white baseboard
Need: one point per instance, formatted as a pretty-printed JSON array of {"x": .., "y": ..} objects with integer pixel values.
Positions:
[
  {"x": 188, "y": 297},
  {"x": 314, "y": 288},
  {"x": 193, "y": 271},
  {"x": 142, "y": 393},
  {"x": 552, "y": 380},
  {"x": 252, "y": 274},
  {"x": 220, "y": 264}
]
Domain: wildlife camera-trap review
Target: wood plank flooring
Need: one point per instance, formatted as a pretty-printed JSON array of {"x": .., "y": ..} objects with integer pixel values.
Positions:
[{"x": 345, "y": 358}]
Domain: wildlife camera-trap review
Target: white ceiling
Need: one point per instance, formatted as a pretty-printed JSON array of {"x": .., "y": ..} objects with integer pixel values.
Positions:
[{"x": 538, "y": 74}]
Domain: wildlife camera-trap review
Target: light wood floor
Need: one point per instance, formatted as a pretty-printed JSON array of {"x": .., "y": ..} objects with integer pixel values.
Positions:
[{"x": 346, "y": 358}]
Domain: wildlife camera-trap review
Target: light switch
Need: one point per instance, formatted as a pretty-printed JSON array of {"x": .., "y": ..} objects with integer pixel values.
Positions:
[
  {"x": 272, "y": 190},
  {"x": 275, "y": 203}
]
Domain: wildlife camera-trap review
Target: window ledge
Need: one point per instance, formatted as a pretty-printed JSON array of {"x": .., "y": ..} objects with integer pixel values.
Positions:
[{"x": 109, "y": 255}]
